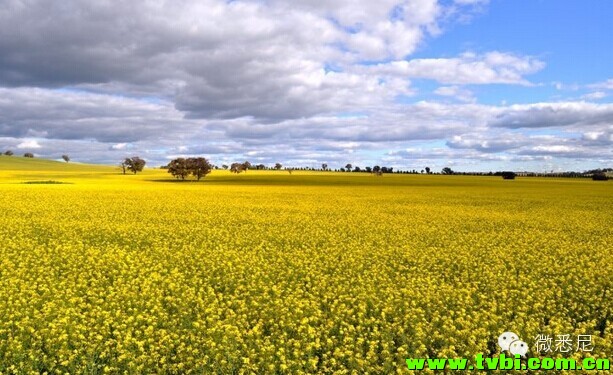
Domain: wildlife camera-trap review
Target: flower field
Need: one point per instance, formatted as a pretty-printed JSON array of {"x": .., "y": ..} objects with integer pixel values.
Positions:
[{"x": 271, "y": 273}]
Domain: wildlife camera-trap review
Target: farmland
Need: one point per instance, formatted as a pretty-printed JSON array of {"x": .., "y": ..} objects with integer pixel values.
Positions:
[{"x": 313, "y": 272}]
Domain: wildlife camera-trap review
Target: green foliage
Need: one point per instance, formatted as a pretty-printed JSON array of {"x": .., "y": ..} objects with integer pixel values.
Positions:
[
  {"x": 182, "y": 167},
  {"x": 600, "y": 176},
  {"x": 134, "y": 164}
]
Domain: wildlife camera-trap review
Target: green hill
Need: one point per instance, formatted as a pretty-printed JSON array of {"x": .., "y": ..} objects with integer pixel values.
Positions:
[
  {"x": 18, "y": 169},
  {"x": 20, "y": 163}
]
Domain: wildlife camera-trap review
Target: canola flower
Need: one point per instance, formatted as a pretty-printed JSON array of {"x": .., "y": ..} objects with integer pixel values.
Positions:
[{"x": 302, "y": 274}]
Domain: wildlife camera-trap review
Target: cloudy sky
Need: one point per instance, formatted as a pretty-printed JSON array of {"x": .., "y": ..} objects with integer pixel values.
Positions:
[{"x": 470, "y": 84}]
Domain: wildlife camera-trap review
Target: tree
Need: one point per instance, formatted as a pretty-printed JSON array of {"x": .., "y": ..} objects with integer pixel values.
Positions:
[
  {"x": 260, "y": 167},
  {"x": 427, "y": 170},
  {"x": 179, "y": 168},
  {"x": 278, "y": 166},
  {"x": 28, "y": 155},
  {"x": 66, "y": 158},
  {"x": 508, "y": 175},
  {"x": 357, "y": 169},
  {"x": 134, "y": 164},
  {"x": 376, "y": 169},
  {"x": 447, "y": 170},
  {"x": 199, "y": 167},
  {"x": 246, "y": 165},
  {"x": 8, "y": 153},
  {"x": 348, "y": 167},
  {"x": 368, "y": 169},
  {"x": 236, "y": 168},
  {"x": 324, "y": 166},
  {"x": 224, "y": 166},
  {"x": 600, "y": 176}
]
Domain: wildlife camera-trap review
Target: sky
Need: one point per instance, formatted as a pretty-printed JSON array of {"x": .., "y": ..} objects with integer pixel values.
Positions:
[{"x": 474, "y": 85}]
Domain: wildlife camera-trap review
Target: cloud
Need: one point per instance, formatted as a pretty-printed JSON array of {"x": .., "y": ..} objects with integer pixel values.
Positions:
[
  {"x": 456, "y": 92},
  {"x": 488, "y": 143},
  {"x": 595, "y": 95},
  {"x": 469, "y": 68},
  {"x": 470, "y": 2},
  {"x": 605, "y": 85},
  {"x": 113, "y": 127},
  {"x": 214, "y": 58},
  {"x": 120, "y": 146},
  {"x": 27, "y": 112},
  {"x": 28, "y": 144},
  {"x": 543, "y": 115},
  {"x": 301, "y": 82}
]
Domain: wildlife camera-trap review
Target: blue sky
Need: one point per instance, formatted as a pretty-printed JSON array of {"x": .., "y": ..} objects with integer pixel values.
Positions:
[
  {"x": 572, "y": 37},
  {"x": 470, "y": 84}
]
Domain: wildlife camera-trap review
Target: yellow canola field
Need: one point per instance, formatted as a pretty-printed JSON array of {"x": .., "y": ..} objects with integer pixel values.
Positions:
[{"x": 272, "y": 273}]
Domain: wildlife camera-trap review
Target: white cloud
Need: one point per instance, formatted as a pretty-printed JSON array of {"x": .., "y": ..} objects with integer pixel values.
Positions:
[
  {"x": 595, "y": 95},
  {"x": 470, "y": 2},
  {"x": 29, "y": 144},
  {"x": 119, "y": 146},
  {"x": 468, "y": 68},
  {"x": 456, "y": 92},
  {"x": 605, "y": 85}
]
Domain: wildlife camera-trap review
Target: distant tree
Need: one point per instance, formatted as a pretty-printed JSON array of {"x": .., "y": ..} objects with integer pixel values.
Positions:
[
  {"x": 376, "y": 169},
  {"x": 66, "y": 158},
  {"x": 236, "y": 168},
  {"x": 447, "y": 170},
  {"x": 387, "y": 169},
  {"x": 427, "y": 170},
  {"x": 348, "y": 167},
  {"x": 179, "y": 168},
  {"x": 198, "y": 167},
  {"x": 260, "y": 167},
  {"x": 8, "y": 153},
  {"x": 324, "y": 166},
  {"x": 28, "y": 155},
  {"x": 508, "y": 175},
  {"x": 134, "y": 164},
  {"x": 246, "y": 165},
  {"x": 342, "y": 169},
  {"x": 278, "y": 166},
  {"x": 224, "y": 166},
  {"x": 123, "y": 166},
  {"x": 422, "y": 171},
  {"x": 368, "y": 169},
  {"x": 599, "y": 176},
  {"x": 357, "y": 169}
]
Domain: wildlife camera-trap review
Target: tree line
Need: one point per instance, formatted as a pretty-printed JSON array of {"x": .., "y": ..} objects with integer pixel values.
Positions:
[
  {"x": 30, "y": 155},
  {"x": 199, "y": 167}
]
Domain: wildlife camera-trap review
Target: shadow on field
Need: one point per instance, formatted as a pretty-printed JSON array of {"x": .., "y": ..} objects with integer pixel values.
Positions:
[
  {"x": 272, "y": 181},
  {"x": 177, "y": 181},
  {"x": 332, "y": 180}
]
